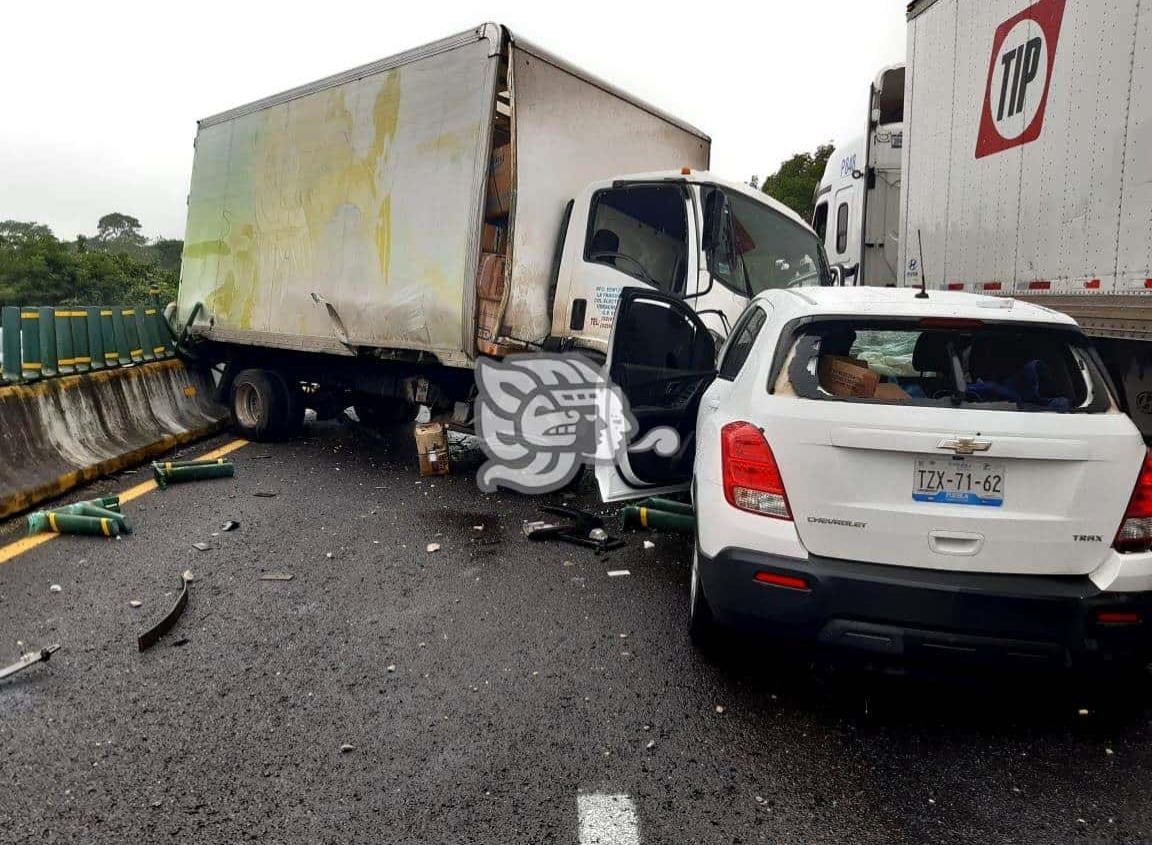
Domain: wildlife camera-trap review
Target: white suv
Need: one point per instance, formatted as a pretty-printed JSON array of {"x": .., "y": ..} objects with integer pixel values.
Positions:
[{"x": 908, "y": 476}]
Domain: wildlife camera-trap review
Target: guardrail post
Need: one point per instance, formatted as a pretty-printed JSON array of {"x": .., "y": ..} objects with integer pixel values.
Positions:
[
  {"x": 155, "y": 338},
  {"x": 109, "y": 341},
  {"x": 95, "y": 341},
  {"x": 79, "y": 327},
  {"x": 144, "y": 332},
  {"x": 123, "y": 350},
  {"x": 65, "y": 359},
  {"x": 48, "y": 357},
  {"x": 30, "y": 365},
  {"x": 132, "y": 333},
  {"x": 11, "y": 324}
]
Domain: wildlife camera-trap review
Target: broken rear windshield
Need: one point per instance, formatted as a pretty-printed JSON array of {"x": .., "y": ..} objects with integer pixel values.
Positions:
[{"x": 957, "y": 363}]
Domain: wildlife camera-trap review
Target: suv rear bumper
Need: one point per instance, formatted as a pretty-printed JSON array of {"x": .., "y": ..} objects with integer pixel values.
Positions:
[{"x": 922, "y": 613}]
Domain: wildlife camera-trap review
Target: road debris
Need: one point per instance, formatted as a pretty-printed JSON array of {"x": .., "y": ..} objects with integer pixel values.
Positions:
[
  {"x": 153, "y": 634},
  {"x": 433, "y": 547},
  {"x": 29, "y": 658},
  {"x": 648, "y": 544},
  {"x": 178, "y": 472},
  {"x": 55, "y": 588},
  {"x": 391, "y": 667},
  {"x": 345, "y": 748},
  {"x": 277, "y": 576},
  {"x": 580, "y": 528},
  {"x": 659, "y": 514},
  {"x": 720, "y": 708},
  {"x": 619, "y": 573},
  {"x": 230, "y": 525},
  {"x": 651, "y": 744},
  {"x": 135, "y": 603},
  {"x": 265, "y": 494},
  {"x": 59, "y": 522},
  {"x": 201, "y": 547}
]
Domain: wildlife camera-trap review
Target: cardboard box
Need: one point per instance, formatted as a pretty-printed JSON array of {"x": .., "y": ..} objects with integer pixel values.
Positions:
[
  {"x": 844, "y": 376},
  {"x": 432, "y": 447},
  {"x": 499, "y": 201},
  {"x": 492, "y": 238},
  {"x": 890, "y": 392},
  {"x": 489, "y": 303}
]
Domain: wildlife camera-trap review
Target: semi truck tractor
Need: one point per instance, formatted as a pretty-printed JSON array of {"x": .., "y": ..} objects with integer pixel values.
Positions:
[
  {"x": 1025, "y": 131},
  {"x": 364, "y": 239}
]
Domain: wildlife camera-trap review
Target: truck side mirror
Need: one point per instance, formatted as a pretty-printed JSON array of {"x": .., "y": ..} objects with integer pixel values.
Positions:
[{"x": 836, "y": 276}]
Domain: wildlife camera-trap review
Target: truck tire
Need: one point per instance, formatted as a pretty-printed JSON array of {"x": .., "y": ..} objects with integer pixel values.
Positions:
[
  {"x": 261, "y": 405},
  {"x": 386, "y": 413}
]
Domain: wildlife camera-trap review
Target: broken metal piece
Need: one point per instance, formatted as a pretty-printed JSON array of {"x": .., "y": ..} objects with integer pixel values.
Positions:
[
  {"x": 582, "y": 529},
  {"x": 230, "y": 525},
  {"x": 149, "y": 638},
  {"x": 277, "y": 576},
  {"x": 30, "y": 658}
]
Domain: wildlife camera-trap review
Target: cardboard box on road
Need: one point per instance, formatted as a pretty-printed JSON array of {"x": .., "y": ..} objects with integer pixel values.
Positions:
[{"x": 432, "y": 447}]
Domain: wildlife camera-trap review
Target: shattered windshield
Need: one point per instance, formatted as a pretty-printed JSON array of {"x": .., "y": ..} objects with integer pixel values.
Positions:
[{"x": 752, "y": 248}]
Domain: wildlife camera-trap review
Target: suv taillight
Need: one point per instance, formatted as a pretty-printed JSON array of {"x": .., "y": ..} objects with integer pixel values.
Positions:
[
  {"x": 751, "y": 478},
  {"x": 1135, "y": 534}
]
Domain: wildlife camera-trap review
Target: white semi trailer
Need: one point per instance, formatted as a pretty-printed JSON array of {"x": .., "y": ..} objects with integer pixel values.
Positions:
[
  {"x": 365, "y": 238},
  {"x": 1026, "y": 166}
]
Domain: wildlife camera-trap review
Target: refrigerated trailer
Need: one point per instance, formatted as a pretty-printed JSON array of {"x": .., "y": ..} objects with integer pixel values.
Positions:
[
  {"x": 1026, "y": 166},
  {"x": 365, "y": 238}
]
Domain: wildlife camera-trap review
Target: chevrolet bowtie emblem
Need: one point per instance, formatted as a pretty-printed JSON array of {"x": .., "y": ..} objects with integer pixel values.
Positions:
[{"x": 965, "y": 445}]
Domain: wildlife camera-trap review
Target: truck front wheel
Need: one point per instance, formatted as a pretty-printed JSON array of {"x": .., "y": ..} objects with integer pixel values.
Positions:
[{"x": 262, "y": 405}]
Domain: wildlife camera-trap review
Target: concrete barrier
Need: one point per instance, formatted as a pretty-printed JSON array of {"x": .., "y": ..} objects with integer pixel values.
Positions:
[{"x": 59, "y": 433}]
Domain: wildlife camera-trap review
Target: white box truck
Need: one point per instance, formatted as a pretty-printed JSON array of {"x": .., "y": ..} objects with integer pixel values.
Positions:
[
  {"x": 1026, "y": 135},
  {"x": 364, "y": 238}
]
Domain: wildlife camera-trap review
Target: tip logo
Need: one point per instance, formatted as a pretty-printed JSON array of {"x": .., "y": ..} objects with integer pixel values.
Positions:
[{"x": 1019, "y": 76}]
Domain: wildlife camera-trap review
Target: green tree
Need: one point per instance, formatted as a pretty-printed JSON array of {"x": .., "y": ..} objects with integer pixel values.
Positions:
[
  {"x": 117, "y": 266},
  {"x": 794, "y": 184},
  {"x": 120, "y": 233}
]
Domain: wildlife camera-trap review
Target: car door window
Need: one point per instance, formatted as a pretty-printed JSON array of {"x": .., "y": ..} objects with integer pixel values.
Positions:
[
  {"x": 642, "y": 231},
  {"x": 743, "y": 338}
]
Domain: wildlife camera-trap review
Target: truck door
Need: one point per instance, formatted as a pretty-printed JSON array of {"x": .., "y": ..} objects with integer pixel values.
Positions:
[
  {"x": 662, "y": 358},
  {"x": 622, "y": 235}
]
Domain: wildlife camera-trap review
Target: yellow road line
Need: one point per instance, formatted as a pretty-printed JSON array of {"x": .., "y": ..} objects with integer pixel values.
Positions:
[{"x": 26, "y": 544}]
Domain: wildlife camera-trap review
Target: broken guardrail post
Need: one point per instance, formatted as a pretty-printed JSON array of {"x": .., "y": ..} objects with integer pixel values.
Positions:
[
  {"x": 634, "y": 515},
  {"x": 98, "y": 511},
  {"x": 181, "y": 474},
  {"x": 69, "y": 523}
]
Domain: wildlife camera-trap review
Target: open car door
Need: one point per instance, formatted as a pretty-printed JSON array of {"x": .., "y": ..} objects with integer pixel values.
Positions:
[{"x": 662, "y": 357}]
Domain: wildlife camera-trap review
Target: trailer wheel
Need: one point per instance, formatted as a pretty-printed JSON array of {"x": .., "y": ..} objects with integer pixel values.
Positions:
[{"x": 261, "y": 405}]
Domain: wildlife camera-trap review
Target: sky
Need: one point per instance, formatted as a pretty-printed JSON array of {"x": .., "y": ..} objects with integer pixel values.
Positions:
[{"x": 101, "y": 101}]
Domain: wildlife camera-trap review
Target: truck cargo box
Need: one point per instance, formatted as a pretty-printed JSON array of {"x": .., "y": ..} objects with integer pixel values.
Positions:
[{"x": 375, "y": 192}]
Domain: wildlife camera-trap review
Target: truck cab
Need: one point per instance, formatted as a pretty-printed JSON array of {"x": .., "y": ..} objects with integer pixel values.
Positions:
[
  {"x": 685, "y": 234},
  {"x": 857, "y": 212}
]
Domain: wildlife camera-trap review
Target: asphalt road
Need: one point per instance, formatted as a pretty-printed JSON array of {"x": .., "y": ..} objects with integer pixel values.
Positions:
[{"x": 531, "y": 699}]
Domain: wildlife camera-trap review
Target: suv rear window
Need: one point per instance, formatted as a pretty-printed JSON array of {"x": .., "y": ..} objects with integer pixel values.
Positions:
[{"x": 947, "y": 363}]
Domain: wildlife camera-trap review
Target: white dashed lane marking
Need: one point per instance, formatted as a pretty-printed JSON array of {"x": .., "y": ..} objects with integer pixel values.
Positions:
[{"x": 607, "y": 820}]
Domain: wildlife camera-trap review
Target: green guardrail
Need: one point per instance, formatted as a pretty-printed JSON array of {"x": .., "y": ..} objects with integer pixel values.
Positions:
[{"x": 38, "y": 342}]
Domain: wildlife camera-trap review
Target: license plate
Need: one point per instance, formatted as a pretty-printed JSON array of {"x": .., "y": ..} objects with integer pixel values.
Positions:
[{"x": 959, "y": 481}]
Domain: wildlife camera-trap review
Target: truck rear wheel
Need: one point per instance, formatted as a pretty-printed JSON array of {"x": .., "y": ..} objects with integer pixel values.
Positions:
[{"x": 264, "y": 406}]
